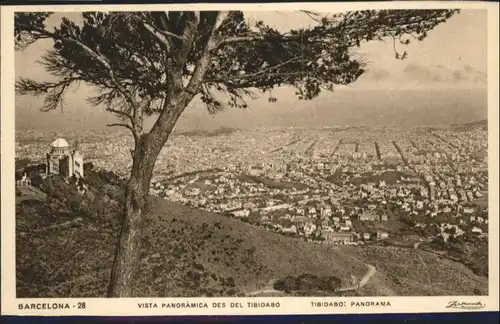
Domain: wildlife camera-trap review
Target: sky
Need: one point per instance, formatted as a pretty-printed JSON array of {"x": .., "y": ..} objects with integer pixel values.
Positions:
[
  {"x": 453, "y": 56},
  {"x": 460, "y": 41}
]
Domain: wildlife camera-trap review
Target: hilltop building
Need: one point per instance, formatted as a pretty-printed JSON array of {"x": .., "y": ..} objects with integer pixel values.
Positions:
[
  {"x": 24, "y": 181},
  {"x": 63, "y": 160}
]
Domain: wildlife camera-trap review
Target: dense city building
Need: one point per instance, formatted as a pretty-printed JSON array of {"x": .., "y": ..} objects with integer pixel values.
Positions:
[{"x": 337, "y": 185}]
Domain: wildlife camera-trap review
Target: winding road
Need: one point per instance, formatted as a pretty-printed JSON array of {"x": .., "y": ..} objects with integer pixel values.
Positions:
[{"x": 364, "y": 280}]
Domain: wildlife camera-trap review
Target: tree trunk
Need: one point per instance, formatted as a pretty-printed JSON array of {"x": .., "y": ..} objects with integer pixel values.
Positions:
[
  {"x": 147, "y": 149},
  {"x": 127, "y": 255}
]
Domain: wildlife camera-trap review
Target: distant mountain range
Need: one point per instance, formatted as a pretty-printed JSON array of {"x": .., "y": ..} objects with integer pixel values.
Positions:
[
  {"x": 483, "y": 124},
  {"x": 415, "y": 73},
  {"x": 440, "y": 73}
]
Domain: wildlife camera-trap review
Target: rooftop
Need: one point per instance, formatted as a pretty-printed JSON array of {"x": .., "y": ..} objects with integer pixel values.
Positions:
[{"x": 60, "y": 143}]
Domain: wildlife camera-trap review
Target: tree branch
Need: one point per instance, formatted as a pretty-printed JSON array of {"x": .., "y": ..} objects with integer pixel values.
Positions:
[
  {"x": 127, "y": 126},
  {"x": 166, "y": 33},
  {"x": 221, "y": 19},
  {"x": 102, "y": 59},
  {"x": 54, "y": 90},
  {"x": 188, "y": 37},
  {"x": 342, "y": 26},
  {"x": 159, "y": 35},
  {"x": 121, "y": 113},
  {"x": 204, "y": 61},
  {"x": 174, "y": 108},
  {"x": 313, "y": 15},
  {"x": 253, "y": 75},
  {"x": 253, "y": 37}
]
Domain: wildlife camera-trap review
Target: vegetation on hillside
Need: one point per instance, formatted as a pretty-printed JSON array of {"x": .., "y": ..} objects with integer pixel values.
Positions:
[
  {"x": 468, "y": 249},
  {"x": 270, "y": 183},
  {"x": 309, "y": 285},
  {"x": 186, "y": 252},
  {"x": 189, "y": 252},
  {"x": 408, "y": 271}
]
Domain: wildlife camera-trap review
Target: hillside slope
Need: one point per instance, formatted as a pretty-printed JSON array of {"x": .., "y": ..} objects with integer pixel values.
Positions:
[
  {"x": 414, "y": 272},
  {"x": 190, "y": 252},
  {"x": 186, "y": 252}
]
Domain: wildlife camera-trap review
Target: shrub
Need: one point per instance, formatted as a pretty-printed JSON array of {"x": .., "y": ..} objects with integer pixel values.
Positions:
[{"x": 308, "y": 284}]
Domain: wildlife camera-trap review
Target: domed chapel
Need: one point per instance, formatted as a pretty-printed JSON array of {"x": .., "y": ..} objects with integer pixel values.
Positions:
[{"x": 63, "y": 160}]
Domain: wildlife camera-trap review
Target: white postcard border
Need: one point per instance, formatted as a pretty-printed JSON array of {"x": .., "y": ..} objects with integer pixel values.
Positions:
[{"x": 10, "y": 305}]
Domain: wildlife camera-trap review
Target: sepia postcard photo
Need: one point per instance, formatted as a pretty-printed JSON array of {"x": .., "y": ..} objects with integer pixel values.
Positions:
[{"x": 316, "y": 158}]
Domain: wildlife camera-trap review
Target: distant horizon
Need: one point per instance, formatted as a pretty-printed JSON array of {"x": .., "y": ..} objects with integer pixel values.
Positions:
[
  {"x": 385, "y": 108},
  {"x": 444, "y": 125}
]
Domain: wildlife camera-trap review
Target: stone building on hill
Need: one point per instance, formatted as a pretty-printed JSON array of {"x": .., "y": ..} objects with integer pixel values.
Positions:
[
  {"x": 64, "y": 161},
  {"x": 23, "y": 181}
]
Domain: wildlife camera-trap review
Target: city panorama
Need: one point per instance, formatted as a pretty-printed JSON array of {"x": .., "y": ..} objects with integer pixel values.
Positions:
[{"x": 378, "y": 188}]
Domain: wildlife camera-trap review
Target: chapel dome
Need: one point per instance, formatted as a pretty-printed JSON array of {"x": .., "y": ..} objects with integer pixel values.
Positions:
[{"x": 60, "y": 143}]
